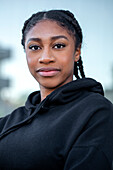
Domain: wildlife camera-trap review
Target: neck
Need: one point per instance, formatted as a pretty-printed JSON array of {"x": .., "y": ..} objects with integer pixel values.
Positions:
[{"x": 45, "y": 92}]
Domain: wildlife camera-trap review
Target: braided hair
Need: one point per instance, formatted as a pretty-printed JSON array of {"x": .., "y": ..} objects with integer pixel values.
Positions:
[{"x": 65, "y": 19}]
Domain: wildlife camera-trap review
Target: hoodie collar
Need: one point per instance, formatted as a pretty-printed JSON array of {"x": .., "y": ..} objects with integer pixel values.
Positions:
[{"x": 65, "y": 93}]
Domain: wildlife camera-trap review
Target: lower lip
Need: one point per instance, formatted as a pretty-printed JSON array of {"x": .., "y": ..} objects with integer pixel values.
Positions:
[{"x": 48, "y": 73}]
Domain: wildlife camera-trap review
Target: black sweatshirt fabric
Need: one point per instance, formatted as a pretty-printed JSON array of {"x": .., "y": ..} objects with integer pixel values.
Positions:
[{"x": 72, "y": 129}]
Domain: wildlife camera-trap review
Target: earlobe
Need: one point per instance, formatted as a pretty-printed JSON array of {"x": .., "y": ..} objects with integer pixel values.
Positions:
[
  {"x": 77, "y": 57},
  {"x": 77, "y": 54}
]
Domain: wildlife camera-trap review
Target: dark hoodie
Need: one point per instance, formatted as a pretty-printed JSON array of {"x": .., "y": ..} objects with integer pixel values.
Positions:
[{"x": 72, "y": 129}]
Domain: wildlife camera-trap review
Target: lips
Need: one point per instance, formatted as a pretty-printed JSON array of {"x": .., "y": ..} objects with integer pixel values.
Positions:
[{"x": 48, "y": 71}]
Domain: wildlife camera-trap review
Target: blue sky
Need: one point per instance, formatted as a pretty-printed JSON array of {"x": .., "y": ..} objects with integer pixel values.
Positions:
[{"x": 96, "y": 20}]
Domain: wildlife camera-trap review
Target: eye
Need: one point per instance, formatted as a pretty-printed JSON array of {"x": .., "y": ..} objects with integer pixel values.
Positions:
[
  {"x": 59, "y": 46},
  {"x": 34, "y": 47}
]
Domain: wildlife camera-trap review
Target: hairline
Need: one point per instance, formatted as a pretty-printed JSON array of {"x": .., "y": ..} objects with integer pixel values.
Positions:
[{"x": 72, "y": 34}]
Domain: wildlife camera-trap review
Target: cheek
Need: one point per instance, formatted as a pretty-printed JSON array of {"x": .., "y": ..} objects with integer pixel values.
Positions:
[
  {"x": 68, "y": 61},
  {"x": 28, "y": 58},
  {"x": 30, "y": 62}
]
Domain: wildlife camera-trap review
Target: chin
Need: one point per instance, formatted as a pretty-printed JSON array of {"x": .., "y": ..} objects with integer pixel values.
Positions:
[{"x": 51, "y": 84}]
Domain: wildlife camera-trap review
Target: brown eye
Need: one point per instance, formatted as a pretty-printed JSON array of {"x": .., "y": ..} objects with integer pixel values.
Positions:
[
  {"x": 34, "y": 47},
  {"x": 59, "y": 46}
]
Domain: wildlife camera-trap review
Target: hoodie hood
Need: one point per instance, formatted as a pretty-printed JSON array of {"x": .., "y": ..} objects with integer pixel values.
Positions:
[
  {"x": 65, "y": 93},
  {"x": 73, "y": 91}
]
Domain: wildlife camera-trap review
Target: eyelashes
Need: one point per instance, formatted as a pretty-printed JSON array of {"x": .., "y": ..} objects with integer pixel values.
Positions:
[
  {"x": 34, "y": 47},
  {"x": 56, "y": 46},
  {"x": 59, "y": 46}
]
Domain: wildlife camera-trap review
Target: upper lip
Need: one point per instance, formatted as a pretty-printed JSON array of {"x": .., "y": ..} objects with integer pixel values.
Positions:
[{"x": 48, "y": 69}]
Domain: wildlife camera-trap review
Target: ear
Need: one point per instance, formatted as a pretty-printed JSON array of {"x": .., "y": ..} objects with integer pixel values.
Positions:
[{"x": 77, "y": 53}]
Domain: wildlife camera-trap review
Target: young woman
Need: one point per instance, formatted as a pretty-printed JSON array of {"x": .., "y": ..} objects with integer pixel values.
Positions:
[{"x": 67, "y": 125}]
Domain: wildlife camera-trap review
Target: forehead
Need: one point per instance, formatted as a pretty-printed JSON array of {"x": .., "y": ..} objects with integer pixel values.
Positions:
[{"x": 46, "y": 28}]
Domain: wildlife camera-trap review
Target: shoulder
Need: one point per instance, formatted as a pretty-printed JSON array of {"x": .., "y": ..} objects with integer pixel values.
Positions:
[
  {"x": 12, "y": 119},
  {"x": 95, "y": 108},
  {"x": 97, "y": 100}
]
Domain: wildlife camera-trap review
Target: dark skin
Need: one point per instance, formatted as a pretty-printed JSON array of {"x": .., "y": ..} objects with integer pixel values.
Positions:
[{"x": 51, "y": 55}]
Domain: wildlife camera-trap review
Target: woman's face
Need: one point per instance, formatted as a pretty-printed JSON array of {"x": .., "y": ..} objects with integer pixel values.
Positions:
[{"x": 50, "y": 53}]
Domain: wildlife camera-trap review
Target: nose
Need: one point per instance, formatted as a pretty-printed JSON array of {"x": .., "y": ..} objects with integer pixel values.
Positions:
[{"x": 46, "y": 56}]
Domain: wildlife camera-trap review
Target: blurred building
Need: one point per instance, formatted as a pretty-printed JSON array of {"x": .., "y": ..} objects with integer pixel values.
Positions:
[
  {"x": 109, "y": 92},
  {"x": 5, "y": 107}
]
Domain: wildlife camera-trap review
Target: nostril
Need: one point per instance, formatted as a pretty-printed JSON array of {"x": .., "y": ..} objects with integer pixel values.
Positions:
[{"x": 46, "y": 59}]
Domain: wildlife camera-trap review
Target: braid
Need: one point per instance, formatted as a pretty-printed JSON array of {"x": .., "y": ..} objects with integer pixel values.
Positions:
[
  {"x": 77, "y": 28},
  {"x": 80, "y": 66},
  {"x": 23, "y": 30},
  {"x": 76, "y": 70},
  {"x": 65, "y": 19}
]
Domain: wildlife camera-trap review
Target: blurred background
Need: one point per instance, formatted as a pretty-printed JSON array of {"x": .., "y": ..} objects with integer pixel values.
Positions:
[{"x": 96, "y": 20}]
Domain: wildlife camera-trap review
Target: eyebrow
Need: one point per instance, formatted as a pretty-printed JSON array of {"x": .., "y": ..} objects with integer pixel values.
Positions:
[
  {"x": 52, "y": 38},
  {"x": 58, "y": 37}
]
